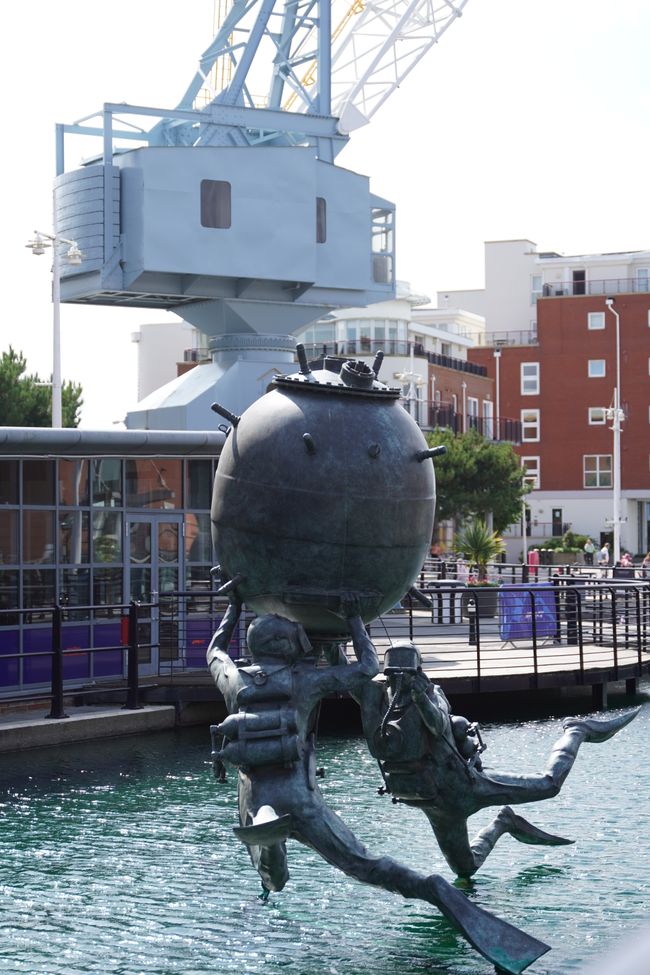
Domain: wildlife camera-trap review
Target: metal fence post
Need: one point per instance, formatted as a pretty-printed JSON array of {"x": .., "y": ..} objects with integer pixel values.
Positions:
[
  {"x": 132, "y": 697},
  {"x": 56, "y": 708}
]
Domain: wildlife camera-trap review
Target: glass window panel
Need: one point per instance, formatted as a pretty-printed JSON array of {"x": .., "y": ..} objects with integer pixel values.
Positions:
[
  {"x": 107, "y": 536},
  {"x": 595, "y": 320},
  {"x": 321, "y": 220},
  {"x": 73, "y": 537},
  {"x": 38, "y": 536},
  {"x": 8, "y": 482},
  {"x": 8, "y": 537},
  {"x": 73, "y": 482},
  {"x": 74, "y": 590},
  {"x": 140, "y": 578},
  {"x": 168, "y": 637},
  {"x": 107, "y": 591},
  {"x": 596, "y": 368},
  {"x": 151, "y": 484},
  {"x": 216, "y": 204},
  {"x": 107, "y": 483},
  {"x": 596, "y": 415},
  {"x": 199, "y": 484},
  {"x": 198, "y": 538},
  {"x": 140, "y": 541},
  {"x": 144, "y": 643},
  {"x": 324, "y": 332},
  {"x": 168, "y": 582},
  {"x": 38, "y": 589},
  {"x": 9, "y": 596},
  {"x": 38, "y": 482},
  {"x": 168, "y": 549},
  {"x": 199, "y": 581}
]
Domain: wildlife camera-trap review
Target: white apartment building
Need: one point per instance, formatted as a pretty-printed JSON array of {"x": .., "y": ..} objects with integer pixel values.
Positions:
[{"x": 517, "y": 274}]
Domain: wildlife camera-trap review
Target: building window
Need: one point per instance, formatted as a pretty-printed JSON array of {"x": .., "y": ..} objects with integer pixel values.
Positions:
[
  {"x": 596, "y": 368},
  {"x": 383, "y": 250},
  {"x": 530, "y": 425},
  {"x": 535, "y": 288},
  {"x": 216, "y": 210},
  {"x": 597, "y": 470},
  {"x": 530, "y": 378},
  {"x": 321, "y": 220},
  {"x": 531, "y": 468},
  {"x": 643, "y": 279},
  {"x": 595, "y": 320},
  {"x": 596, "y": 415}
]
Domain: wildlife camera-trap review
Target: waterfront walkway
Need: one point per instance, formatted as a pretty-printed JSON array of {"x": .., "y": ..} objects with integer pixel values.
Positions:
[{"x": 596, "y": 637}]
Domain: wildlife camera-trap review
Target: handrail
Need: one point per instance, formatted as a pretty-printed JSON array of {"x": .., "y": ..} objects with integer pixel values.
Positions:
[{"x": 582, "y": 612}]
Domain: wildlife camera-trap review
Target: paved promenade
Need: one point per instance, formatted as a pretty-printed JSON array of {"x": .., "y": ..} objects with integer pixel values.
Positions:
[{"x": 33, "y": 729}]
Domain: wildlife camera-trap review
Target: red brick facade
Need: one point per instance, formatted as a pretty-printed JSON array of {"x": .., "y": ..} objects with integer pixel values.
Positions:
[{"x": 566, "y": 393}]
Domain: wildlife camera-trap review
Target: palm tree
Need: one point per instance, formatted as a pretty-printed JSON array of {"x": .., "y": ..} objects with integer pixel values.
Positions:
[{"x": 479, "y": 545}]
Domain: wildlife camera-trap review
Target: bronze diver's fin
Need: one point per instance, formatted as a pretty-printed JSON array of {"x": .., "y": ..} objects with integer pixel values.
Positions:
[
  {"x": 506, "y": 946},
  {"x": 266, "y": 829},
  {"x": 525, "y": 832}
]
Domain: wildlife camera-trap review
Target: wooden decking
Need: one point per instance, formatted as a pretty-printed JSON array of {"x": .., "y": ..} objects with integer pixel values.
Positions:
[{"x": 452, "y": 660}]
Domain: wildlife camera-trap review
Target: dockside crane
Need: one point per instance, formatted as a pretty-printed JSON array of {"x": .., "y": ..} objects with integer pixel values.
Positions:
[{"x": 229, "y": 209}]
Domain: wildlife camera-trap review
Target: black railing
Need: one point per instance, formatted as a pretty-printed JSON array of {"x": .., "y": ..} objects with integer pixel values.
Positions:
[
  {"x": 55, "y": 655},
  {"x": 559, "y": 622}
]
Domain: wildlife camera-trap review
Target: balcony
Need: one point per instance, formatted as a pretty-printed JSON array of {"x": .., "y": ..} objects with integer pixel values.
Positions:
[
  {"x": 392, "y": 347},
  {"x": 606, "y": 286},
  {"x": 430, "y": 415},
  {"x": 196, "y": 355}
]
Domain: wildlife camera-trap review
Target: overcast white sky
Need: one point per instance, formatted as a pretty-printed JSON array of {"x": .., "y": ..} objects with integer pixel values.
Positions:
[{"x": 529, "y": 119}]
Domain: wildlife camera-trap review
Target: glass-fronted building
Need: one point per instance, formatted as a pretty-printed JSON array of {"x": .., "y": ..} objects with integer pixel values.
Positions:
[{"x": 96, "y": 520}]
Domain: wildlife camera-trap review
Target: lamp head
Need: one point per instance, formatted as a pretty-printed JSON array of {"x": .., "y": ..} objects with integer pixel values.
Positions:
[{"x": 38, "y": 244}]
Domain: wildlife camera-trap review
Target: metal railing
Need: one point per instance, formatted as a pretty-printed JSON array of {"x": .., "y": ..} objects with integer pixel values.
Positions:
[
  {"x": 558, "y": 622},
  {"x": 54, "y": 656},
  {"x": 604, "y": 286}
]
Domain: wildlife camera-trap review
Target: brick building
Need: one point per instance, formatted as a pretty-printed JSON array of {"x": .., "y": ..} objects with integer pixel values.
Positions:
[{"x": 558, "y": 374}]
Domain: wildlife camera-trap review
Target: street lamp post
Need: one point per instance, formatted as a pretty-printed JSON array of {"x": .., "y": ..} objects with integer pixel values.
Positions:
[
  {"x": 73, "y": 256},
  {"x": 616, "y": 415},
  {"x": 415, "y": 381},
  {"x": 497, "y": 391}
]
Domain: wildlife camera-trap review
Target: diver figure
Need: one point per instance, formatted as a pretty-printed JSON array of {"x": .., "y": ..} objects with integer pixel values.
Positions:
[
  {"x": 430, "y": 759},
  {"x": 270, "y": 735}
]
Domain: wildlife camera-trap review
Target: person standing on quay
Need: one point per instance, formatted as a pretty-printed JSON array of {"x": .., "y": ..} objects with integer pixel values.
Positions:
[{"x": 590, "y": 550}]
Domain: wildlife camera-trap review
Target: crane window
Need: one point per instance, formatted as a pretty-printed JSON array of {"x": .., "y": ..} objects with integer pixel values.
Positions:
[
  {"x": 216, "y": 211},
  {"x": 321, "y": 220}
]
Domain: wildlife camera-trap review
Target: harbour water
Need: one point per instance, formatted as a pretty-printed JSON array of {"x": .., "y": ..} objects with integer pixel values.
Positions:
[{"x": 118, "y": 858}]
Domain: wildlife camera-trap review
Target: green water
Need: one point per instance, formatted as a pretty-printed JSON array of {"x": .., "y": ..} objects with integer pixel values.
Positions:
[{"x": 118, "y": 858}]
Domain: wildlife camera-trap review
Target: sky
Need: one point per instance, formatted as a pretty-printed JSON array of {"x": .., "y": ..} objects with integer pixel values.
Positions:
[{"x": 528, "y": 120}]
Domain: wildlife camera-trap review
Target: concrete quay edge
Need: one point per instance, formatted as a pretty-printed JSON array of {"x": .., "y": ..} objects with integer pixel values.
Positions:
[{"x": 36, "y": 730}]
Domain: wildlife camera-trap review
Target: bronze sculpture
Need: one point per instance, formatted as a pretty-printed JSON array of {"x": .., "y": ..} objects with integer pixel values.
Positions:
[
  {"x": 322, "y": 514},
  {"x": 270, "y": 736},
  {"x": 430, "y": 759}
]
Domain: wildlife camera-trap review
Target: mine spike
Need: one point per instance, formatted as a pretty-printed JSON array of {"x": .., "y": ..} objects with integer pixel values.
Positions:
[
  {"x": 302, "y": 360},
  {"x": 431, "y": 452},
  {"x": 225, "y": 413},
  {"x": 376, "y": 366}
]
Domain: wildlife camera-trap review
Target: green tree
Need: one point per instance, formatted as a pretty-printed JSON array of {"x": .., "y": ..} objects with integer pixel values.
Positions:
[
  {"x": 26, "y": 402},
  {"x": 475, "y": 477}
]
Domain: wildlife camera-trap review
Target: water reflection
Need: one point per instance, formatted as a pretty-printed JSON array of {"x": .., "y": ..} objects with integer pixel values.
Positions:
[{"x": 118, "y": 857}]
